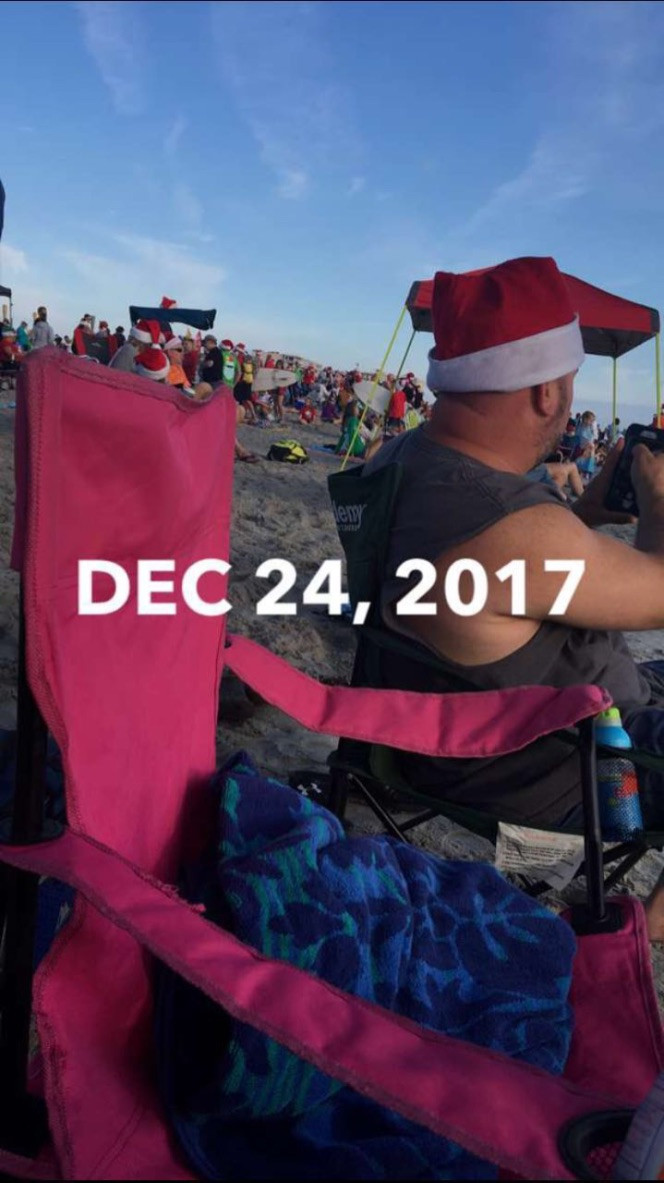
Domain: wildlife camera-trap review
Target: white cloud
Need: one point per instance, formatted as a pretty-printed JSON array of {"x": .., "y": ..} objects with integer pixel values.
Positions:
[
  {"x": 112, "y": 39},
  {"x": 357, "y": 185},
  {"x": 172, "y": 264},
  {"x": 13, "y": 262},
  {"x": 200, "y": 236},
  {"x": 174, "y": 136},
  {"x": 558, "y": 171},
  {"x": 187, "y": 205},
  {"x": 603, "y": 87},
  {"x": 138, "y": 270},
  {"x": 301, "y": 121},
  {"x": 124, "y": 269},
  {"x": 293, "y": 184},
  {"x": 613, "y": 50}
]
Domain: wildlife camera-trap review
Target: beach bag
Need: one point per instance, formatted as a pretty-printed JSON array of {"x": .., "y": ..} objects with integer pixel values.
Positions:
[{"x": 288, "y": 452}]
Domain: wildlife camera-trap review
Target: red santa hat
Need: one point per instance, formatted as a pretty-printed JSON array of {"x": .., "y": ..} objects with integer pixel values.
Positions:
[
  {"x": 153, "y": 363},
  {"x": 173, "y": 343},
  {"x": 504, "y": 328},
  {"x": 146, "y": 331},
  {"x": 226, "y": 344},
  {"x": 167, "y": 302},
  {"x": 241, "y": 347}
]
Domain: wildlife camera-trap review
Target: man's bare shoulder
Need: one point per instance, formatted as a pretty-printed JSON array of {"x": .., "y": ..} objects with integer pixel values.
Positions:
[{"x": 618, "y": 587}]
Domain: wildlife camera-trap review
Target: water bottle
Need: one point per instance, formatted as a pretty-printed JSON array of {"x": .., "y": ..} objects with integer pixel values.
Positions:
[{"x": 617, "y": 786}]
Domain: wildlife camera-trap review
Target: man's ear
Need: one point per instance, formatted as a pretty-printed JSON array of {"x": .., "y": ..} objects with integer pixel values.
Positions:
[{"x": 543, "y": 399}]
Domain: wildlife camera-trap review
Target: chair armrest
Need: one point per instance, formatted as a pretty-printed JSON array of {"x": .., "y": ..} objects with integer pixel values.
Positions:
[{"x": 488, "y": 723}]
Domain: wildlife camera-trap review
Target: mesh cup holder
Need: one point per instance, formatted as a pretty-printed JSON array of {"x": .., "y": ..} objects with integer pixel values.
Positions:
[{"x": 590, "y": 1146}]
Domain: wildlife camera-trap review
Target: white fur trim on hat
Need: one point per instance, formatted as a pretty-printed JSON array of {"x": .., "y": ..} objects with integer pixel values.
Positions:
[
  {"x": 156, "y": 375},
  {"x": 173, "y": 343},
  {"x": 141, "y": 335},
  {"x": 513, "y": 366}
]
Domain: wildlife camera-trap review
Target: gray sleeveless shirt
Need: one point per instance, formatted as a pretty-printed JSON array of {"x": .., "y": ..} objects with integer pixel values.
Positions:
[{"x": 445, "y": 499}]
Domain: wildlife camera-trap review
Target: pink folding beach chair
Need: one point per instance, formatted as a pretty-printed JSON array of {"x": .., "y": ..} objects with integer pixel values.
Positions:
[{"x": 111, "y": 467}]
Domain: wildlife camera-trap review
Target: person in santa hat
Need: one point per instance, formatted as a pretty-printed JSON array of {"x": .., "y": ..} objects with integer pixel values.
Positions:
[
  {"x": 140, "y": 335},
  {"x": 83, "y": 329},
  {"x": 174, "y": 350},
  {"x": 507, "y": 348},
  {"x": 153, "y": 363}
]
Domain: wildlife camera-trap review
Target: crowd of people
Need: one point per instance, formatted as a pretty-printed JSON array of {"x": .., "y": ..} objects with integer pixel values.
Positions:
[{"x": 305, "y": 392}]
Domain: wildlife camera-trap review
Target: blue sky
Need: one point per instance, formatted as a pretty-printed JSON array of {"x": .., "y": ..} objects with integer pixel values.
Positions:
[{"x": 297, "y": 165}]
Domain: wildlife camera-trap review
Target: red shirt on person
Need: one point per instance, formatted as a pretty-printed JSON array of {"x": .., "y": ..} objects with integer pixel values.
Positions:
[
  {"x": 397, "y": 408},
  {"x": 190, "y": 365},
  {"x": 10, "y": 352}
]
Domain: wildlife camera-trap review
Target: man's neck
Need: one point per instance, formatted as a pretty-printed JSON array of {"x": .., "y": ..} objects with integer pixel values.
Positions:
[{"x": 503, "y": 459}]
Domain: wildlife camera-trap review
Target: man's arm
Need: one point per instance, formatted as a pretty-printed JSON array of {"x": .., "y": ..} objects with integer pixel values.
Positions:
[{"x": 620, "y": 588}]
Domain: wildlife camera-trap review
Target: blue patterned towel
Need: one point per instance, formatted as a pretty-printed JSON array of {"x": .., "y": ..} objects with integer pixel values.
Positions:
[{"x": 450, "y": 945}]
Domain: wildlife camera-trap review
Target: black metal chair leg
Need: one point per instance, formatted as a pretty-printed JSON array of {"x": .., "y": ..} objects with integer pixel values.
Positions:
[
  {"x": 623, "y": 868},
  {"x": 338, "y": 799},
  {"x": 595, "y": 916},
  {"x": 381, "y": 813}
]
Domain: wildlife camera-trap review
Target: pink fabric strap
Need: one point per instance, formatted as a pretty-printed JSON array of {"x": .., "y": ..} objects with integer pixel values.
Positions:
[
  {"x": 488, "y": 723},
  {"x": 613, "y": 991},
  {"x": 502, "y": 1110}
]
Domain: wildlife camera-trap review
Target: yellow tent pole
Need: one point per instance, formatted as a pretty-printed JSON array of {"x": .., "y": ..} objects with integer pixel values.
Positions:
[
  {"x": 658, "y": 375},
  {"x": 615, "y": 397},
  {"x": 376, "y": 383},
  {"x": 405, "y": 356}
]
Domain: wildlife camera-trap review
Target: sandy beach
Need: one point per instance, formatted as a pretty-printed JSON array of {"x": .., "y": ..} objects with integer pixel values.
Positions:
[{"x": 283, "y": 512}]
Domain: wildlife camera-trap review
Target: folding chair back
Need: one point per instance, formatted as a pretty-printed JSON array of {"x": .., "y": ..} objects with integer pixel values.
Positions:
[{"x": 117, "y": 469}]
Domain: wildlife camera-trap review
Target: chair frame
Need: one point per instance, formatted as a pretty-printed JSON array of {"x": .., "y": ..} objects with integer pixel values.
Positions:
[{"x": 349, "y": 776}]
